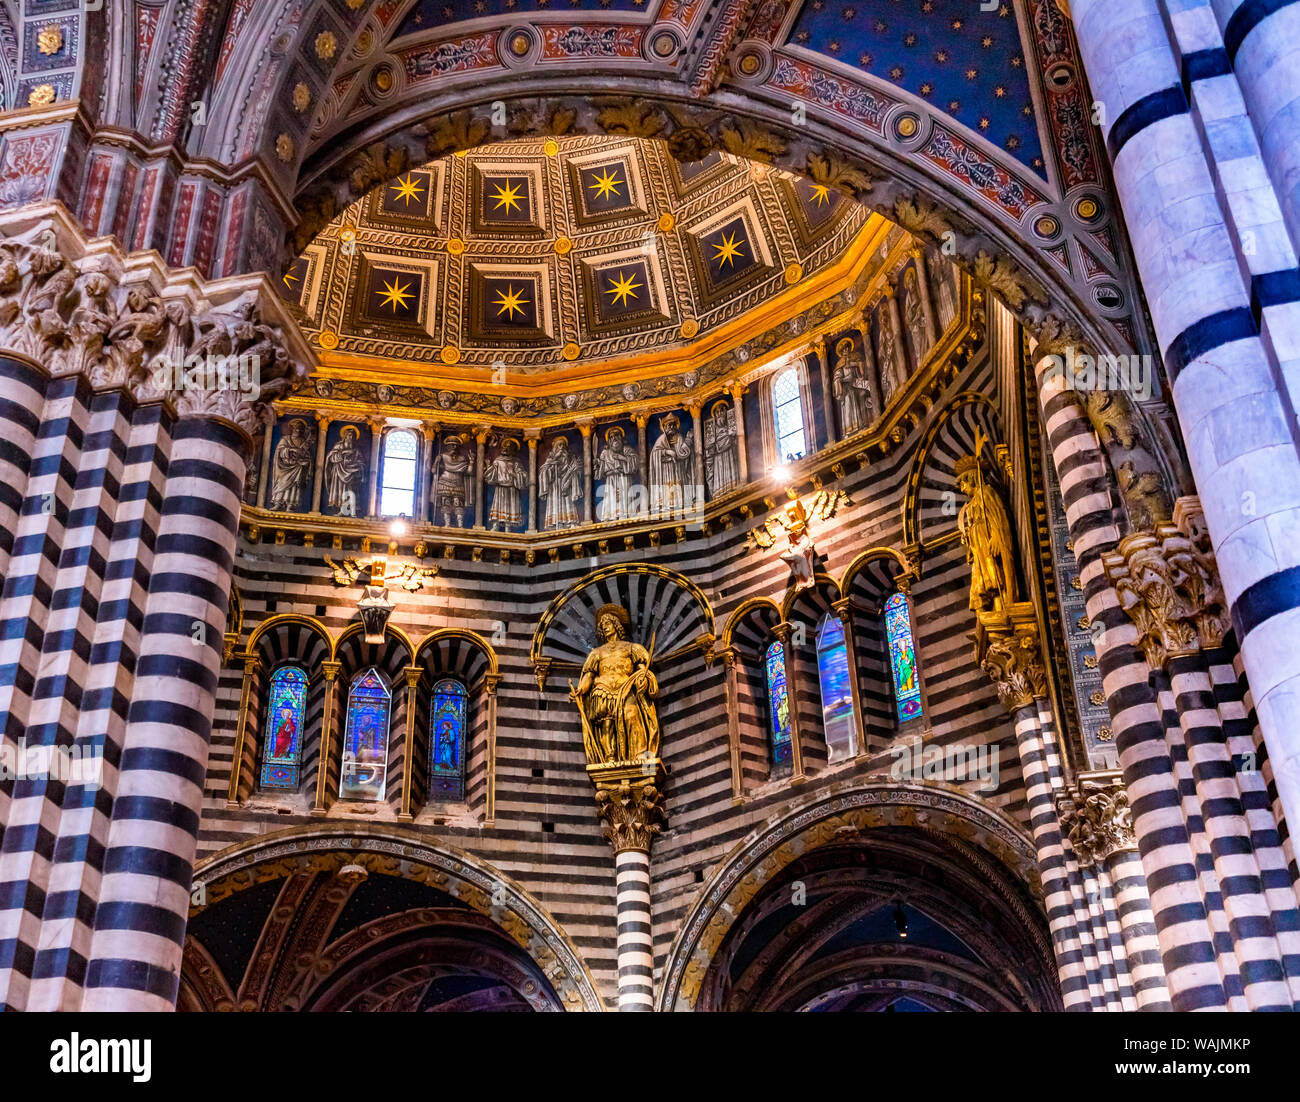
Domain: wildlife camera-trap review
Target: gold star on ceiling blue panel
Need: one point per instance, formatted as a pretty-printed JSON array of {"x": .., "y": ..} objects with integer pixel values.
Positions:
[
  {"x": 509, "y": 305},
  {"x": 408, "y": 194},
  {"x": 293, "y": 281},
  {"x": 505, "y": 200},
  {"x": 727, "y": 252},
  {"x": 605, "y": 188},
  {"x": 966, "y": 62},
  {"x": 622, "y": 292},
  {"x": 393, "y": 295}
]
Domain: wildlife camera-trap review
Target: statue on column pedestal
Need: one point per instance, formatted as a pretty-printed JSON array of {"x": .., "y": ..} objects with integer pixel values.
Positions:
[
  {"x": 986, "y": 534},
  {"x": 615, "y": 696}
]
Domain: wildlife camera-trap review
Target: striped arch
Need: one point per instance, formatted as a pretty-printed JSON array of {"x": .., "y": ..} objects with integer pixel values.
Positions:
[
  {"x": 983, "y": 833},
  {"x": 749, "y": 632},
  {"x": 382, "y": 849},
  {"x": 804, "y": 610},
  {"x": 664, "y": 606},
  {"x": 471, "y": 659},
  {"x": 354, "y": 655},
  {"x": 287, "y": 637},
  {"x": 868, "y": 582},
  {"x": 931, "y": 499}
]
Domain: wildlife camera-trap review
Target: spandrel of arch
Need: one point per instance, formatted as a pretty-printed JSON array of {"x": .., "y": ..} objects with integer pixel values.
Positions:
[
  {"x": 787, "y": 415},
  {"x": 365, "y": 738},
  {"x": 837, "y": 696},
  {"x": 397, "y": 490},
  {"x": 778, "y": 701},
  {"x": 902, "y": 657},
  {"x": 447, "y": 726},
  {"x": 285, "y": 711}
]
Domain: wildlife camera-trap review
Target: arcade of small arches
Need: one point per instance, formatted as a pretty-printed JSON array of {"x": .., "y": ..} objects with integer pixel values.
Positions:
[{"x": 591, "y": 509}]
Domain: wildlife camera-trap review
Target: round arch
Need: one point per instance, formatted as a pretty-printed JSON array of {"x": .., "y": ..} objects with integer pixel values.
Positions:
[
  {"x": 280, "y": 619},
  {"x": 473, "y": 638},
  {"x": 487, "y": 891},
  {"x": 742, "y": 611},
  {"x": 848, "y": 808},
  {"x": 875, "y": 554},
  {"x": 356, "y": 629}
]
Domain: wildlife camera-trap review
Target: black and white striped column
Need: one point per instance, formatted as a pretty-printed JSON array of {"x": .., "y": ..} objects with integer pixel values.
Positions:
[
  {"x": 636, "y": 988},
  {"x": 1229, "y": 385}
]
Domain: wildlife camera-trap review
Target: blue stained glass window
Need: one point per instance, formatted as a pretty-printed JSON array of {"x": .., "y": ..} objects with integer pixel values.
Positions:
[
  {"x": 365, "y": 738},
  {"x": 902, "y": 657},
  {"x": 447, "y": 730},
  {"x": 282, "y": 747},
  {"x": 837, "y": 695},
  {"x": 779, "y": 705}
]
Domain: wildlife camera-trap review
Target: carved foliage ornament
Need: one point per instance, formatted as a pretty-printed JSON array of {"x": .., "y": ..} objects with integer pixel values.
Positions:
[
  {"x": 79, "y": 319},
  {"x": 1170, "y": 588},
  {"x": 1013, "y": 661},
  {"x": 632, "y": 815},
  {"x": 1102, "y": 824}
]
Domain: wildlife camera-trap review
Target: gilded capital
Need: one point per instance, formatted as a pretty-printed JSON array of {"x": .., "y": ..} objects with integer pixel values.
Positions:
[
  {"x": 1008, "y": 651},
  {"x": 631, "y": 814}
]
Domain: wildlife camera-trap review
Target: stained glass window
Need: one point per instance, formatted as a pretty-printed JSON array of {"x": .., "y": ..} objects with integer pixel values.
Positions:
[
  {"x": 282, "y": 747},
  {"x": 787, "y": 409},
  {"x": 397, "y": 496},
  {"x": 902, "y": 657},
  {"x": 447, "y": 741},
  {"x": 837, "y": 696},
  {"x": 365, "y": 738},
  {"x": 779, "y": 704}
]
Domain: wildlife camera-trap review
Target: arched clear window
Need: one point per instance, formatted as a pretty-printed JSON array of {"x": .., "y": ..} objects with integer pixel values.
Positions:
[
  {"x": 778, "y": 701},
  {"x": 365, "y": 738},
  {"x": 397, "y": 492},
  {"x": 902, "y": 657},
  {"x": 787, "y": 414},
  {"x": 837, "y": 696},
  {"x": 282, "y": 746},
  {"x": 447, "y": 731}
]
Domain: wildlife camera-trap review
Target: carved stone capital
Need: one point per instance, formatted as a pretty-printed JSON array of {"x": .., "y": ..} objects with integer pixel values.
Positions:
[
  {"x": 1168, "y": 583},
  {"x": 631, "y": 812},
  {"x": 126, "y": 321},
  {"x": 1099, "y": 820},
  {"x": 1007, "y": 649}
]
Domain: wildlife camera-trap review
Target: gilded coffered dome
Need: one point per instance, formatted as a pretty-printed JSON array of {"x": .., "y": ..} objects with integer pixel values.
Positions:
[{"x": 547, "y": 265}]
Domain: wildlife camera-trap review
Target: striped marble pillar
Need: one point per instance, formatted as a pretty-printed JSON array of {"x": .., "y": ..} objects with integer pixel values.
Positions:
[
  {"x": 1012, "y": 659},
  {"x": 630, "y": 805},
  {"x": 1169, "y": 866},
  {"x": 1228, "y": 385}
]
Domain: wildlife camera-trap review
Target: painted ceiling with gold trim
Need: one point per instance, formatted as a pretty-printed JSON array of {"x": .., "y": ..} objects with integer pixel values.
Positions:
[{"x": 540, "y": 262}]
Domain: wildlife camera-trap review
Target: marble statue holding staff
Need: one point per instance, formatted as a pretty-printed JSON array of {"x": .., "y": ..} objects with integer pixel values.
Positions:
[{"x": 345, "y": 469}]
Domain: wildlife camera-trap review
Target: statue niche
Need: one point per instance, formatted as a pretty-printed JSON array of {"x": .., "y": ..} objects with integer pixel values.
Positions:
[
  {"x": 852, "y": 387},
  {"x": 985, "y": 531},
  {"x": 345, "y": 472},
  {"x": 615, "y": 696},
  {"x": 291, "y": 467}
]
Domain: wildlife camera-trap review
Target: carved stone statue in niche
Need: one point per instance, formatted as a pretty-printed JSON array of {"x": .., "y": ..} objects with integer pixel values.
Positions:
[
  {"x": 345, "y": 472},
  {"x": 616, "y": 465},
  {"x": 892, "y": 375},
  {"x": 986, "y": 534},
  {"x": 559, "y": 484},
  {"x": 852, "y": 387},
  {"x": 721, "y": 448},
  {"x": 453, "y": 471},
  {"x": 615, "y": 695},
  {"x": 915, "y": 314},
  {"x": 942, "y": 281},
  {"x": 508, "y": 476},
  {"x": 291, "y": 467},
  {"x": 672, "y": 469}
]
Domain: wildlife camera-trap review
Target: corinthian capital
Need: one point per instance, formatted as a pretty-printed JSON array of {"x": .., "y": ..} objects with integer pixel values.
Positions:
[
  {"x": 632, "y": 814},
  {"x": 82, "y": 307},
  {"x": 1101, "y": 821},
  {"x": 1168, "y": 583},
  {"x": 1007, "y": 648}
]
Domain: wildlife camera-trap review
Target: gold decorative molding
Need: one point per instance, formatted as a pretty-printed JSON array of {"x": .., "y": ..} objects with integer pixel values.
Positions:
[
  {"x": 629, "y": 804},
  {"x": 1007, "y": 648}
]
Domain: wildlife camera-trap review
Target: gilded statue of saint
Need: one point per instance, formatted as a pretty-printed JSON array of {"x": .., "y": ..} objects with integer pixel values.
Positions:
[
  {"x": 615, "y": 695},
  {"x": 986, "y": 534}
]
